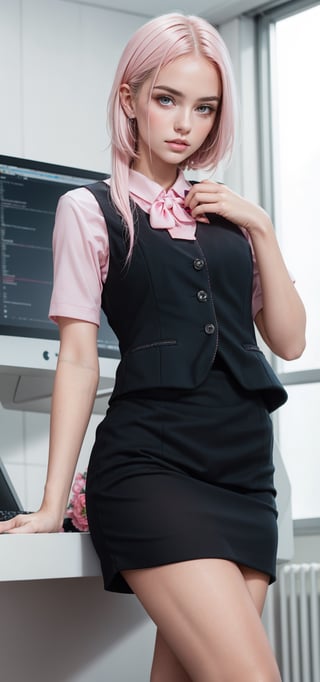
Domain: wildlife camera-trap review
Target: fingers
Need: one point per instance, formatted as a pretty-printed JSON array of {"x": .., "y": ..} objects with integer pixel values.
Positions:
[
  {"x": 214, "y": 197},
  {"x": 23, "y": 529},
  {"x": 206, "y": 188},
  {"x": 202, "y": 218},
  {"x": 206, "y": 197},
  {"x": 12, "y": 525},
  {"x": 29, "y": 523}
]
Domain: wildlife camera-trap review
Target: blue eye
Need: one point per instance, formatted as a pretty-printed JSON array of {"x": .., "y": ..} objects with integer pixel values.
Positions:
[
  {"x": 205, "y": 109},
  {"x": 165, "y": 100}
]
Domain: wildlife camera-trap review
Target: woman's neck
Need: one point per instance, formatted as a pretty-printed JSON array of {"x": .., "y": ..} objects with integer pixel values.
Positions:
[{"x": 165, "y": 177}]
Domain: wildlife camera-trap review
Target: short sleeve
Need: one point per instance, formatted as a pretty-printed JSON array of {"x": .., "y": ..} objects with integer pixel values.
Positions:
[{"x": 80, "y": 257}]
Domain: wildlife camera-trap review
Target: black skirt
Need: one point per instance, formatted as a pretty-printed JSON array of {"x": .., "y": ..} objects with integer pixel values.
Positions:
[{"x": 180, "y": 475}]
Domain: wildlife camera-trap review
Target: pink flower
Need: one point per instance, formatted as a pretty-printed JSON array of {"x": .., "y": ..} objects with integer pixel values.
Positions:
[
  {"x": 79, "y": 483},
  {"x": 80, "y": 523},
  {"x": 76, "y": 510}
]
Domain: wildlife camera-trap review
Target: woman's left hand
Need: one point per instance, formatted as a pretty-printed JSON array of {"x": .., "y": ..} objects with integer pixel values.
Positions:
[{"x": 215, "y": 197}]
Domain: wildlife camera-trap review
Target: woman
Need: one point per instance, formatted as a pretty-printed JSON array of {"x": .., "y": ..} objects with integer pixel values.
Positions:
[{"x": 180, "y": 495}]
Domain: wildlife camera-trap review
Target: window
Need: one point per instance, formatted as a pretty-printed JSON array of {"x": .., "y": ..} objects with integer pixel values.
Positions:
[{"x": 290, "y": 97}]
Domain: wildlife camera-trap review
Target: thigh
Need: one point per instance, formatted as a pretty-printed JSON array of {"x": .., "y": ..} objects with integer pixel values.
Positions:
[
  {"x": 165, "y": 665},
  {"x": 206, "y": 614},
  {"x": 257, "y": 584}
]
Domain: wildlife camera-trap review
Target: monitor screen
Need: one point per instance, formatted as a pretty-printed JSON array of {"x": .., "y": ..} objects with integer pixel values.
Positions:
[
  {"x": 29, "y": 192},
  {"x": 9, "y": 500}
]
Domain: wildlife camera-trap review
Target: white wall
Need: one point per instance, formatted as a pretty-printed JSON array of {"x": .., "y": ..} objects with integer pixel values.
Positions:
[
  {"x": 307, "y": 545},
  {"x": 57, "y": 63}
]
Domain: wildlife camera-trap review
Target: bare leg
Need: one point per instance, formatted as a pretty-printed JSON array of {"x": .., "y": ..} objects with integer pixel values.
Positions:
[
  {"x": 207, "y": 613},
  {"x": 257, "y": 584},
  {"x": 167, "y": 668},
  {"x": 165, "y": 665}
]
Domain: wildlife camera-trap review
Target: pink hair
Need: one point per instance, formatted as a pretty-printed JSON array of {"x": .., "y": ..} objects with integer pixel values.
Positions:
[{"x": 153, "y": 46}]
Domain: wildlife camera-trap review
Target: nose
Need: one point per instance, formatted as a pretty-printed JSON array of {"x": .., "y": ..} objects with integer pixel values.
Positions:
[{"x": 182, "y": 122}]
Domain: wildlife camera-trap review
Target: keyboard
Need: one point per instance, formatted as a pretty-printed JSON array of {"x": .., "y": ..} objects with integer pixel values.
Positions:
[{"x": 7, "y": 515}]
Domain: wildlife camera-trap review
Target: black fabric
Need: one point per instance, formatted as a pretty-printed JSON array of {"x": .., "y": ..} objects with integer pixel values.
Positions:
[
  {"x": 178, "y": 475},
  {"x": 182, "y": 463},
  {"x": 168, "y": 335}
]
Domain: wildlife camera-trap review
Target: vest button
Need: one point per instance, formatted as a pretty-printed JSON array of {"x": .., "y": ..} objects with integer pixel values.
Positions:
[
  {"x": 198, "y": 263},
  {"x": 209, "y": 328},
  {"x": 202, "y": 296}
]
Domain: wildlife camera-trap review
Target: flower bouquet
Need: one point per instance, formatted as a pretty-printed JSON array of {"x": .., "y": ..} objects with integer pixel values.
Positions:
[{"x": 76, "y": 510}]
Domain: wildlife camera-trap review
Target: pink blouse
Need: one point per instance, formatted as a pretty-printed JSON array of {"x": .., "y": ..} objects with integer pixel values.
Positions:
[{"x": 81, "y": 246}]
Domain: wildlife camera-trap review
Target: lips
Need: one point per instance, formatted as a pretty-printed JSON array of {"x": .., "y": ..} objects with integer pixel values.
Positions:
[
  {"x": 178, "y": 145},
  {"x": 179, "y": 142}
]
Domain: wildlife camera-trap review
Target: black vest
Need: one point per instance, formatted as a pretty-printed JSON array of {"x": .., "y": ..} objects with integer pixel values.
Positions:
[{"x": 178, "y": 302}]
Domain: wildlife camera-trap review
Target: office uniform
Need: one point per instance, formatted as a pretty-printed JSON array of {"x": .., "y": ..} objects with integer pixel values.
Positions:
[{"x": 182, "y": 463}]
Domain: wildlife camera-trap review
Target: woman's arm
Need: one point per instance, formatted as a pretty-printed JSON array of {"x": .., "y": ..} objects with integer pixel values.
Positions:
[
  {"x": 282, "y": 320},
  {"x": 74, "y": 392}
]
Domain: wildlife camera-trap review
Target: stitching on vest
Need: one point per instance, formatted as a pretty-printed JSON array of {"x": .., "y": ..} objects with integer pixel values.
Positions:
[
  {"x": 251, "y": 346},
  {"x": 154, "y": 344}
]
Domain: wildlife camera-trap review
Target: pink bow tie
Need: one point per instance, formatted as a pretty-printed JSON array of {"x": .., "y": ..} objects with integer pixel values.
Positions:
[{"x": 168, "y": 212}]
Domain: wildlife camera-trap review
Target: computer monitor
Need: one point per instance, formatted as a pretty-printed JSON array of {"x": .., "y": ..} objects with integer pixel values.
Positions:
[
  {"x": 9, "y": 500},
  {"x": 29, "y": 342}
]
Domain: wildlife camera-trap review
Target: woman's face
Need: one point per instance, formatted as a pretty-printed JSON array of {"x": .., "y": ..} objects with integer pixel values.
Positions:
[{"x": 175, "y": 118}]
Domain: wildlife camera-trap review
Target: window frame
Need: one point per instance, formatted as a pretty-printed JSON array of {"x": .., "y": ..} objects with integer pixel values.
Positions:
[
  {"x": 265, "y": 40},
  {"x": 265, "y": 22}
]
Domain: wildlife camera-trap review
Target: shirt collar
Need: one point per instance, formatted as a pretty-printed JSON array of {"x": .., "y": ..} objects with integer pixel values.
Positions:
[{"x": 143, "y": 188}]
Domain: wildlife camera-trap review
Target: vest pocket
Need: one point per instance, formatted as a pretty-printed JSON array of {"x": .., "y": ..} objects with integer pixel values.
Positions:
[{"x": 153, "y": 344}]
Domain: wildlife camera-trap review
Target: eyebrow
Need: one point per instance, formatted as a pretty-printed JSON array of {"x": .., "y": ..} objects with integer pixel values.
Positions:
[{"x": 210, "y": 98}]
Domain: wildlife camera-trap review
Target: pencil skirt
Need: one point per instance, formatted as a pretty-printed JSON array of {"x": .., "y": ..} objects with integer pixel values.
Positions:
[{"x": 176, "y": 475}]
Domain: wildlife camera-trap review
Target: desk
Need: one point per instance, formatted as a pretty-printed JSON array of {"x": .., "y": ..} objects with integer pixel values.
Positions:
[{"x": 47, "y": 556}]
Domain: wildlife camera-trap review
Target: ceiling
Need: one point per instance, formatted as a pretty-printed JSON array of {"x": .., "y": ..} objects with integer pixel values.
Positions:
[{"x": 215, "y": 11}]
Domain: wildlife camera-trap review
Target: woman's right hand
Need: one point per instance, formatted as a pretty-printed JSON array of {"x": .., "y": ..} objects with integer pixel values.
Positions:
[
  {"x": 36, "y": 522},
  {"x": 75, "y": 387}
]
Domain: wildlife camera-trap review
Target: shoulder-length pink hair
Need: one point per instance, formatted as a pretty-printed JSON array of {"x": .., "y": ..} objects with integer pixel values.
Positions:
[{"x": 153, "y": 46}]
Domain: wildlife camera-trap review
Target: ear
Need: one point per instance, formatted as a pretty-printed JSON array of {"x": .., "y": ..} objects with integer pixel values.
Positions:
[{"x": 127, "y": 100}]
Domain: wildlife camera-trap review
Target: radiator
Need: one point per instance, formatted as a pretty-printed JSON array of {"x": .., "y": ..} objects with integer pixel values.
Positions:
[{"x": 299, "y": 586}]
